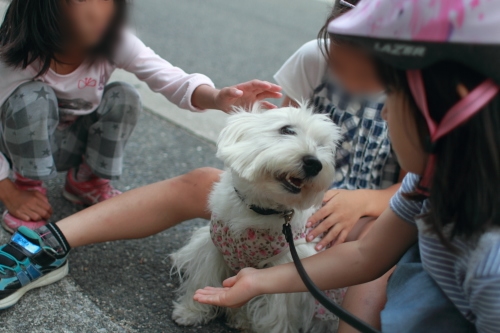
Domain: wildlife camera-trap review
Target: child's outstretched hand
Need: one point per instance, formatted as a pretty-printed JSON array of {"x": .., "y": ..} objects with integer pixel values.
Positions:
[
  {"x": 340, "y": 212},
  {"x": 236, "y": 291},
  {"x": 246, "y": 94},
  {"x": 243, "y": 95}
]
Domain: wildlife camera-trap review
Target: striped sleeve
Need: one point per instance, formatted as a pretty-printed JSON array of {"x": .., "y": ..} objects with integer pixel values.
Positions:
[
  {"x": 484, "y": 290},
  {"x": 402, "y": 207}
]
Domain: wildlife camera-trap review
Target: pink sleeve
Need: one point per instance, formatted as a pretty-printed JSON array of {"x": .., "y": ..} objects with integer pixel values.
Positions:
[
  {"x": 4, "y": 167},
  {"x": 170, "y": 81}
]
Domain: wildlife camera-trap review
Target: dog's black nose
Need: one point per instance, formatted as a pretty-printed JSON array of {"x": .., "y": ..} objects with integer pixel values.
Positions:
[{"x": 312, "y": 166}]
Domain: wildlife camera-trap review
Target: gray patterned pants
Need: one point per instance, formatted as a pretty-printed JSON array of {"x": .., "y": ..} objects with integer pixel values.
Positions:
[{"x": 38, "y": 147}]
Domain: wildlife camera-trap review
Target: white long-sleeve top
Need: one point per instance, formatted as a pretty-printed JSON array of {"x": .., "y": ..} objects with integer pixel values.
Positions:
[{"x": 80, "y": 92}]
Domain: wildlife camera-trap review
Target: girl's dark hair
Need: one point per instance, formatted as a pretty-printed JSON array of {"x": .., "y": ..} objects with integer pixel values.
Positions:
[
  {"x": 337, "y": 10},
  {"x": 464, "y": 196},
  {"x": 32, "y": 32}
]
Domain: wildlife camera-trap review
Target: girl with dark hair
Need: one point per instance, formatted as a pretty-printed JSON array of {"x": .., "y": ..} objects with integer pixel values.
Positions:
[
  {"x": 341, "y": 81},
  {"x": 439, "y": 65},
  {"x": 58, "y": 112}
]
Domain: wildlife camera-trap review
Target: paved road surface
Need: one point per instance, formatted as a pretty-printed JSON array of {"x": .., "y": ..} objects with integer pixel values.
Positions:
[
  {"x": 125, "y": 286},
  {"x": 230, "y": 41}
]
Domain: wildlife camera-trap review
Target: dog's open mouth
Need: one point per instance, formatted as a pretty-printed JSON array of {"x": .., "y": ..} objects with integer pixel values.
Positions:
[{"x": 291, "y": 184}]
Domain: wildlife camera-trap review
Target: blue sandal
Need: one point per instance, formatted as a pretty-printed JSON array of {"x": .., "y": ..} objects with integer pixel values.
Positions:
[{"x": 26, "y": 263}]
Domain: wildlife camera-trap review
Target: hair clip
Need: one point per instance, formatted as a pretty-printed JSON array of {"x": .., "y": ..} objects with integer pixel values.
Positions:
[{"x": 347, "y": 4}]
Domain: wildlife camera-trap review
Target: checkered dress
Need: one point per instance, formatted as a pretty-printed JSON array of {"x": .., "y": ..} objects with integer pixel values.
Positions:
[{"x": 364, "y": 158}]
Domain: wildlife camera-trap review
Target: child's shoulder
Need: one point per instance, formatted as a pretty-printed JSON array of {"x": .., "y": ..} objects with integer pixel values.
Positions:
[
  {"x": 312, "y": 52},
  {"x": 303, "y": 71},
  {"x": 485, "y": 258}
]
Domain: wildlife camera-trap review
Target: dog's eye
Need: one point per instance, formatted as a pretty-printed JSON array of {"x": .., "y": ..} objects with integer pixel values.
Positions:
[{"x": 287, "y": 130}]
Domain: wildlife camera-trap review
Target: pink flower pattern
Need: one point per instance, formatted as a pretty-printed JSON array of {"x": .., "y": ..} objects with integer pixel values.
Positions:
[{"x": 252, "y": 247}]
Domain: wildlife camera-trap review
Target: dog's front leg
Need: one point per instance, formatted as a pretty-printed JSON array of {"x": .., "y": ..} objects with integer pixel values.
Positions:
[{"x": 199, "y": 264}]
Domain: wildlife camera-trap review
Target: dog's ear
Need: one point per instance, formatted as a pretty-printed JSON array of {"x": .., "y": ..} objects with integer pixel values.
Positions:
[
  {"x": 232, "y": 146},
  {"x": 233, "y": 132}
]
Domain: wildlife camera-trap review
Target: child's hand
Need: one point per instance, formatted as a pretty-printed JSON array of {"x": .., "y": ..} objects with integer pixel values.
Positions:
[
  {"x": 340, "y": 212},
  {"x": 246, "y": 94},
  {"x": 25, "y": 205},
  {"x": 236, "y": 291}
]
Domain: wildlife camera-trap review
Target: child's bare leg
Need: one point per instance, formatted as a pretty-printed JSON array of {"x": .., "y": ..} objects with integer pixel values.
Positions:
[
  {"x": 144, "y": 211},
  {"x": 365, "y": 301}
]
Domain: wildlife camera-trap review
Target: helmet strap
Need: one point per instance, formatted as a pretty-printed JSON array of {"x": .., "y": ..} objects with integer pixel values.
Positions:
[{"x": 456, "y": 116}]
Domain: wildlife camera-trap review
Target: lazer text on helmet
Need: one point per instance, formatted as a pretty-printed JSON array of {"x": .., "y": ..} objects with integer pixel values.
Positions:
[{"x": 401, "y": 49}]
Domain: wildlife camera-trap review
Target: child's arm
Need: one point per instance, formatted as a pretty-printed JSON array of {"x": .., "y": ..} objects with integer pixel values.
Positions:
[
  {"x": 340, "y": 266},
  {"x": 193, "y": 92},
  {"x": 342, "y": 209}
]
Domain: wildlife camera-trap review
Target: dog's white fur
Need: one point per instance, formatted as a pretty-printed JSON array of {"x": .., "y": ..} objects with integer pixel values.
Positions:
[{"x": 257, "y": 156}]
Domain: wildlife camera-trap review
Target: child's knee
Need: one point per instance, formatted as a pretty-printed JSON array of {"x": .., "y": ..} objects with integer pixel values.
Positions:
[
  {"x": 206, "y": 175},
  {"x": 203, "y": 178},
  {"x": 125, "y": 94},
  {"x": 125, "y": 102},
  {"x": 31, "y": 102}
]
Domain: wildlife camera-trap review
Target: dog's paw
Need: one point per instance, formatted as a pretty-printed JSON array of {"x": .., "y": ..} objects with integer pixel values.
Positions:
[
  {"x": 237, "y": 319},
  {"x": 188, "y": 317}
]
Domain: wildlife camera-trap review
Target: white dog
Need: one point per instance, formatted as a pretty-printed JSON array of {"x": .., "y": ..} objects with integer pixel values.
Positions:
[{"x": 277, "y": 162}]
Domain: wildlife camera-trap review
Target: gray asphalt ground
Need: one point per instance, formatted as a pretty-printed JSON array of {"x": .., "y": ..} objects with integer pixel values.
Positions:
[
  {"x": 125, "y": 286},
  {"x": 230, "y": 41}
]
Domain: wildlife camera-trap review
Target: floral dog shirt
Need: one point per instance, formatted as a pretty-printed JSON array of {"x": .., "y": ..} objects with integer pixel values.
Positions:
[{"x": 257, "y": 248}]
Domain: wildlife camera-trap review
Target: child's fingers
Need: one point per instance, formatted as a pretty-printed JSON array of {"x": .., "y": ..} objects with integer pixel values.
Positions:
[
  {"x": 43, "y": 203},
  {"x": 42, "y": 207},
  {"x": 41, "y": 197},
  {"x": 271, "y": 86},
  {"x": 215, "y": 296},
  {"x": 231, "y": 93},
  {"x": 33, "y": 216},
  {"x": 331, "y": 236},
  {"x": 321, "y": 228},
  {"x": 268, "y": 105},
  {"x": 21, "y": 215},
  {"x": 45, "y": 213},
  {"x": 210, "y": 290},
  {"x": 341, "y": 238},
  {"x": 39, "y": 211},
  {"x": 207, "y": 299},
  {"x": 254, "y": 85},
  {"x": 321, "y": 214},
  {"x": 268, "y": 94},
  {"x": 258, "y": 84},
  {"x": 329, "y": 196}
]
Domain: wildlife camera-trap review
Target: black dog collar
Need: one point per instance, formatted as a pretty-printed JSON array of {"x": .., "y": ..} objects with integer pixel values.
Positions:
[{"x": 261, "y": 210}]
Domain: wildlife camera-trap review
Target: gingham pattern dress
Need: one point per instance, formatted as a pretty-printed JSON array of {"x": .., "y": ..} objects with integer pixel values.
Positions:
[{"x": 364, "y": 157}]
